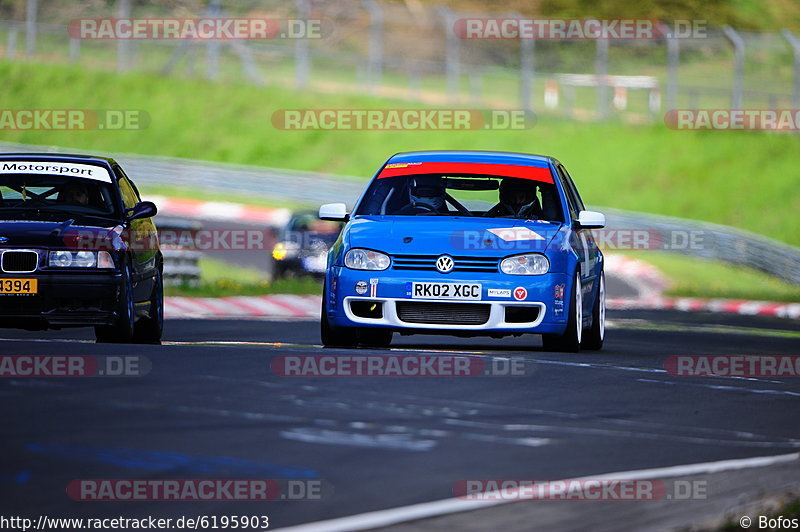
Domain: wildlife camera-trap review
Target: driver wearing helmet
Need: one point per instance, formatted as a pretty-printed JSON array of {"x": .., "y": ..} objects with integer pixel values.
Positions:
[
  {"x": 517, "y": 200},
  {"x": 426, "y": 194}
]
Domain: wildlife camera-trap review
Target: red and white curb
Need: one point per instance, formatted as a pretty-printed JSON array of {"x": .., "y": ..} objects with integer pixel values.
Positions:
[
  {"x": 646, "y": 279},
  {"x": 650, "y": 283},
  {"x": 724, "y": 306},
  {"x": 278, "y": 306},
  {"x": 284, "y": 306},
  {"x": 221, "y": 210}
]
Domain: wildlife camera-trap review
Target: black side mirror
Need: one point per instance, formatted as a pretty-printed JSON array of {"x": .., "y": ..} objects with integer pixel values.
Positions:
[{"x": 144, "y": 209}]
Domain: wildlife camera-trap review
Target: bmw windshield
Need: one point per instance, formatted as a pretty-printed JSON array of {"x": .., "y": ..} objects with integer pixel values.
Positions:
[{"x": 34, "y": 194}]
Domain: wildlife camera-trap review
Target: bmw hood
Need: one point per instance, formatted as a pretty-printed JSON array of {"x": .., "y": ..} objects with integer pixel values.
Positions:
[
  {"x": 490, "y": 237},
  {"x": 53, "y": 234}
]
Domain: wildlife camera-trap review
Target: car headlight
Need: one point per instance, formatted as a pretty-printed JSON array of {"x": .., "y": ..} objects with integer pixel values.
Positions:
[
  {"x": 284, "y": 250},
  {"x": 366, "y": 259},
  {"x": 80, "y": 259},
  {"x": 529, "y": 264}
]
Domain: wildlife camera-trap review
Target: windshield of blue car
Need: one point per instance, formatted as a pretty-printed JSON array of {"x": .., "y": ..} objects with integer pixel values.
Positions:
[
  {"x": 74, "y": 196},
  {"x": 478, "y": 195}
]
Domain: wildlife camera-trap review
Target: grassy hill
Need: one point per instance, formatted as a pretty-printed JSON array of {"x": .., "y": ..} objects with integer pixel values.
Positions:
[{"x": 746, "y": 179}]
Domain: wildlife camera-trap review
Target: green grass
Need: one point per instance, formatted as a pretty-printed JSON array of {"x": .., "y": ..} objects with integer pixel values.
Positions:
[
  {"x": 692, "y": 277},
  {"x": 744, "y": 179},
  {"x": 219, "y": 279}
]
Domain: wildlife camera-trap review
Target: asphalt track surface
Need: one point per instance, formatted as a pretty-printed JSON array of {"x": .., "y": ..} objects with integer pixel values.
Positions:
[{"x": 211, "y": 407}]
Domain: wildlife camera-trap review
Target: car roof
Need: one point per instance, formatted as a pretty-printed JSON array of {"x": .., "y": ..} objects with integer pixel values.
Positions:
[
  {"x": 473, "y": 156},
  {"x": 58, "y": 157}
]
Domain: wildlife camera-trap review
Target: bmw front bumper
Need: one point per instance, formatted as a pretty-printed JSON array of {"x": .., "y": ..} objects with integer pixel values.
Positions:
[{"x": 68, "y": 299}]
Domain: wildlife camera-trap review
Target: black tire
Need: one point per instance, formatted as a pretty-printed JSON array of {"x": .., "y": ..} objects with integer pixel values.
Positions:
[
  {"x": 375, "y": 337},
  {"x": 593, "y": 337},
  {"x": 121, "y": 332},
  {"x": 149, "y": 330},
  {"x": 570, "y": 341},
  {"x": 280, "y": 272},
  {"x": 335, "y": 336}
]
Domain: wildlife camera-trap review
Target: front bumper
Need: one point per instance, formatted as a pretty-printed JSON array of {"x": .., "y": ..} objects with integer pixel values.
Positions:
[
  {"x": 389, "y": 291},
  {"x": 64, "y": 299}
]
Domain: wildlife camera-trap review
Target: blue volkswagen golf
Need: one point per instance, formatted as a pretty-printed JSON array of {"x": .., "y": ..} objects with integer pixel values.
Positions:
[{"x": 466, "y": 243}]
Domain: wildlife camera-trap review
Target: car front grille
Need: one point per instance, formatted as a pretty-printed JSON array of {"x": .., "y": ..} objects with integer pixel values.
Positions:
[
  {"x": 443, "y": 313},
  {"x": 19, "y": 261},
  {"x": 461, "y": 263}
]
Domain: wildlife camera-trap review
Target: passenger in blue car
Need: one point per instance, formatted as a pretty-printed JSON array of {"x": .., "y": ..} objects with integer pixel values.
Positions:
[
  {"x": 426, "y": 194},
  {"x": 517, "y": 200}
]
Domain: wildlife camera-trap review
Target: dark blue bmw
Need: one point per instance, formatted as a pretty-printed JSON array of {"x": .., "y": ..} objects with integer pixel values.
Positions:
[{"x": 78, "y": 247}]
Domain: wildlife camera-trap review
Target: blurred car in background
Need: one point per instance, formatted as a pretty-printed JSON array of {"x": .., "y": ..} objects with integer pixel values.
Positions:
[{"x": 303, "y": 244}]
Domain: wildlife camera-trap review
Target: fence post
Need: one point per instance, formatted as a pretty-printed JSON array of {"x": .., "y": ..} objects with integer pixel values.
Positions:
[
  {"x": 601, "y": 70},
  {"x": 123, "y": 45},
  {"x": 302, "y": 59},
  {"x": 738, "y": 75},
  {"x": 452, "y": 54},
  {"x": 673, "y": 60},
  {"x": 212, "y": 47},
  {"x": 414, "y": 82},
  {"x": 31, "y": 10},
  {"x": 526, "y": 61},
  {"x": 375, "y": 57},
  {"x": 74, "y": 50},
  {"x": 11, "y": 46},
  {"x": 794, "y": 42},
  {"x": 475, "y": 87}
]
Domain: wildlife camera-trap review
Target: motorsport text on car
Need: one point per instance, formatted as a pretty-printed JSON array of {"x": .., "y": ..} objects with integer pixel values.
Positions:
[
  {"x": 78, "y": 247},
  {"x": 466, "y": 243}
]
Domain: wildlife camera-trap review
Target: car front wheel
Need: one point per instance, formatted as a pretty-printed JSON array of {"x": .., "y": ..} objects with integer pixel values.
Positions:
[
  {"x": 570, "y": 341},
  {"x": 121, "y": 331},
  {"x": 333, "y": 336},
  {"x": 148, "y": 330},
  {"x": 593, "y": 337}
]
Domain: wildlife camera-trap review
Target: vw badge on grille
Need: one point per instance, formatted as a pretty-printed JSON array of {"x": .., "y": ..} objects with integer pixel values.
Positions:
[{"x": 445, "y": 263}]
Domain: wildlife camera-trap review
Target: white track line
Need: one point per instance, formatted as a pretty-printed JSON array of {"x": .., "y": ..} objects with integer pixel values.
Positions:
[{"x": 383, "y": 518}]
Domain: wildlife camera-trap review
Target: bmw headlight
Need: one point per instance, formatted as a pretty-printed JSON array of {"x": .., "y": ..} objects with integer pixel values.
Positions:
[
  {"x": 366, "y": 259},
  {"x": 80, "y": 259},
  {"x": 529, "y": 264}
]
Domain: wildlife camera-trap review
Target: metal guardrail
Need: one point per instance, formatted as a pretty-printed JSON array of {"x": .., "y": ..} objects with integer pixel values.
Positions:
[
  {"x": 716, "y": 242},
  {"x": 237, "y": 179},
  {"x": 713, "y": 241},
  {"x": 180, "y": 263}
]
